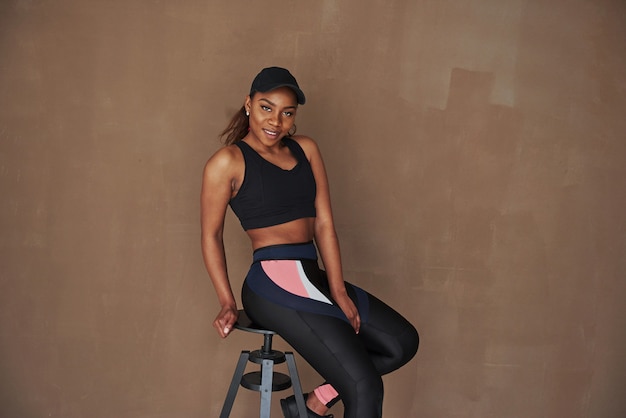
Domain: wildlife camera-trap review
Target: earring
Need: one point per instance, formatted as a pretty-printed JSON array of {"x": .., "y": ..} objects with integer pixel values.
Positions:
[{"x": 247, "y": 113}]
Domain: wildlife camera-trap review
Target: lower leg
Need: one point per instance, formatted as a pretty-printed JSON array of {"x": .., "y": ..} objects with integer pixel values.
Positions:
[
  {"x": 315, "y": 404},
  {"x": 326, "y": 395}
]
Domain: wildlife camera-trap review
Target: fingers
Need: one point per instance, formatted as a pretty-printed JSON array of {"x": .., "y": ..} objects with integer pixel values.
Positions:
[
  {"x": 225, "y": 322},
  {"x": 354, "y": 319},
  {"x": 351, "y": 312},
  {"x": 229, "y": 324},
  {"x": 223, "y": 328},
  {"x": 220, "y": 326},
  {"x": 356, "y": 324}
]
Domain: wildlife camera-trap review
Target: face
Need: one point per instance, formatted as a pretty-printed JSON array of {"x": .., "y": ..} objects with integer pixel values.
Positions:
[{"x": 272, "y": 114}]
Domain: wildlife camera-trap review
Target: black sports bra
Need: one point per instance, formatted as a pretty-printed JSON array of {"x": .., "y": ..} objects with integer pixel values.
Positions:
[{"x": 270, "y": 195}]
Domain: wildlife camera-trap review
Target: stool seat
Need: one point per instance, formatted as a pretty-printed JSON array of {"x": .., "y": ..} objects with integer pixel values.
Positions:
[
  {"x": 244, "y": 323},
  {"x": 266, "y": 380}
]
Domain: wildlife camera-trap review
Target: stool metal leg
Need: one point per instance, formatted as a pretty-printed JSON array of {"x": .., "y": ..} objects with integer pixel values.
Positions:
[
  {"x": 295, "y": 380},
  {"x": 267, "y": 374},
  {"x": 234, "y": 384}
]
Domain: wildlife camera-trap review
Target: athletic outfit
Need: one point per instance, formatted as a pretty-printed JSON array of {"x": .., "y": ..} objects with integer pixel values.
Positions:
[{"x": 286, "y": 291}]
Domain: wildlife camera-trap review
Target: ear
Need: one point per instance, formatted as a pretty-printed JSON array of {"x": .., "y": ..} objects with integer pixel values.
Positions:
[{"x": 247, "y": 103}]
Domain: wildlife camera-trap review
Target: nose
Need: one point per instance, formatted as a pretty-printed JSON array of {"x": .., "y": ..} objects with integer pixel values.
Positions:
[{"x": 275, "y": 119}]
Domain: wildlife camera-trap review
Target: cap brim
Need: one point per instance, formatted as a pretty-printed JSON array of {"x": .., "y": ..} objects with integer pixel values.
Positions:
[{"x": 299, "y": 94}]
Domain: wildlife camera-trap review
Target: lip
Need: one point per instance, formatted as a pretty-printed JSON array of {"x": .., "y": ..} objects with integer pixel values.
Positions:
[{"x": 271, "y": 133}]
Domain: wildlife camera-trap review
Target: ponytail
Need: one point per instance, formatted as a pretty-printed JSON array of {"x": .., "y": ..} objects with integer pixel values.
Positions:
[{"x": 237, "y": 128}]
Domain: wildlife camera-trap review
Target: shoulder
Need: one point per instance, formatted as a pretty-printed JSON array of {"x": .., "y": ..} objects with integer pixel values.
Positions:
[
  {"x": 225, "y": 160},
  {"x": 308, "y": 145}
]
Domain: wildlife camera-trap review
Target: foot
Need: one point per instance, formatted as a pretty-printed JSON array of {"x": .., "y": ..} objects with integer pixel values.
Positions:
[{"x": 290, "y": 409}]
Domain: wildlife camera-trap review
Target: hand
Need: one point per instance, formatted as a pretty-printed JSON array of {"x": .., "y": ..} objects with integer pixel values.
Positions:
[
  {"x": 350, "y": 310},
  {"x": 225, "y": 320}
]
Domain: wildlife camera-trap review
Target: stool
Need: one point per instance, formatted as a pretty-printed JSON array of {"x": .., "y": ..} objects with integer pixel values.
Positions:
[{"x": 266, "y": 380}]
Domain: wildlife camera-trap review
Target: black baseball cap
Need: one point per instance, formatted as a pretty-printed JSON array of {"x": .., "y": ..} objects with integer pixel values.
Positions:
[{"x": 274, "y": 77}]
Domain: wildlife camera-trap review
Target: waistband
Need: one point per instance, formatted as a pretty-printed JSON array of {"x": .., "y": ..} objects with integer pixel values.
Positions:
[{"x": 300, "y": 251}]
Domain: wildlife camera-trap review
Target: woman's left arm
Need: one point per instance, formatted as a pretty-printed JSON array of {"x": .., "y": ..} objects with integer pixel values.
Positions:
[{"x": 326, "y": 235}]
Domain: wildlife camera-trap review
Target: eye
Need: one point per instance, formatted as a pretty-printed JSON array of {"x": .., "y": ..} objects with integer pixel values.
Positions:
[
  {"x": 266, "y": 108},
  {"x": 288, "y": 113}
]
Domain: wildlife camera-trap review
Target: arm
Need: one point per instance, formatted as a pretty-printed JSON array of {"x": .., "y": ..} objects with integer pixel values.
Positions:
[
  {"x": 217, "y": 187},
  {"x": 326, "y": 236}
]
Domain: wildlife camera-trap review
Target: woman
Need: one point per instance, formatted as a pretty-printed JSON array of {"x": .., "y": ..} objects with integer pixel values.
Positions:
[{"x": 276, "y": 184}]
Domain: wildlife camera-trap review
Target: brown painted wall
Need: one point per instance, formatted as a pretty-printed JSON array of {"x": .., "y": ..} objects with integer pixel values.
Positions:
[{"x": 477, "y": 159}]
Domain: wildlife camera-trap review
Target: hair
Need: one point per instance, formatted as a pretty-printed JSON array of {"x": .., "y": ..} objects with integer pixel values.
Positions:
[{"x": 239, "y": 126}]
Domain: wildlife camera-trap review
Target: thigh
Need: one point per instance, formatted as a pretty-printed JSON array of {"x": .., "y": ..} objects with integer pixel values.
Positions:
[
  {"x": 390, "y": 339},
  {"x": 324, "y": 341},
  {"x": 330, "y": 346}
]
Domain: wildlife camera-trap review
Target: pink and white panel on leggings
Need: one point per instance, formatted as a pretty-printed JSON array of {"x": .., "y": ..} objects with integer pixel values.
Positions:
[{"x": 290, "y": 276}]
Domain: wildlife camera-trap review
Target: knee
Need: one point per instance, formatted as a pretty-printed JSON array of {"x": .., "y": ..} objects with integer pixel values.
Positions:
[
  {"x": 405, "y": 347},
  {"x": 410, "y": 343}
]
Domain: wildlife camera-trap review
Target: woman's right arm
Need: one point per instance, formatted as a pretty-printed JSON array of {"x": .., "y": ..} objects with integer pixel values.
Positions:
[{"x": 218, "y": 182}]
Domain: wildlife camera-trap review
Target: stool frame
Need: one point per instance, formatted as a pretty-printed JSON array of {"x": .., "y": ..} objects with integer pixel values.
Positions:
[{"x": 266, "y": 380}]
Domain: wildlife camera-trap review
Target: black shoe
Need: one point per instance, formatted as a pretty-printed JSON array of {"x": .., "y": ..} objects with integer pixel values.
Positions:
[{"x": 290, "y": 408}]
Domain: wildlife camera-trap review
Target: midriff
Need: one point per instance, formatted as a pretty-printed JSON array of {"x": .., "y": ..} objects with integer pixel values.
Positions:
[{"x": 293, "y": 232}]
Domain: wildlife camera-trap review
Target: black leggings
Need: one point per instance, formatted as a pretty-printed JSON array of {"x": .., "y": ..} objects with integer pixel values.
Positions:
[{"x": 352, "y": 363}]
